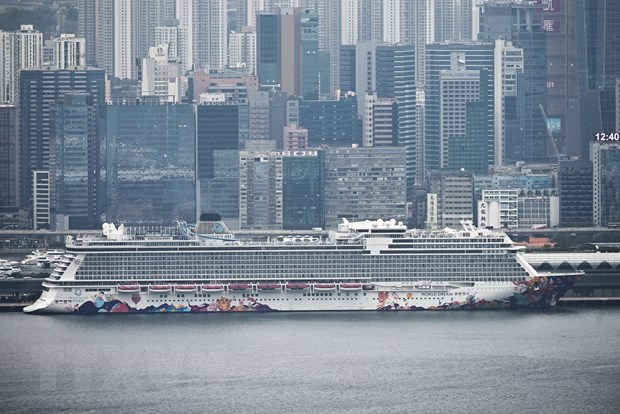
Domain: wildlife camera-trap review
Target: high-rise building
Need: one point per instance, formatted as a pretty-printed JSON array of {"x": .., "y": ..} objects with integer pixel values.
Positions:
[
  {"x": 497, "y": 21},
  {"x": 606, "y": 183},
  {"x": 471, "y": 56},
  {"x": 210, "y": 33},
  {"x": 508, "y": 64},
  {"x": 389, "y": 70},
  {"x": 9, "y": 156},
  {"x": 281, "y": 190},
  {"x": 333, "y": 123},
  {"x": 450, "y": 199},
  {"x": 349, "y": 21},
  {"x": 160, "y": 76},
  {"x": 380, "y": 121},
  {"x": 598, "y": 65},
  {"x": 41, "y": 207},
  {"x": 96, "y": 26},
  {"x": 575, "y": 192},
  {"x": 295, "y": 138},
  {"x": 507, "y": 201},
  {"x": 260, "y": 190},
  {"x": 439, "y": 57},
  {"x": 287, "y": 47},
  {"x": 364, "y": 184},
  {"x": 453, "y": 20},
  {"x": 311, "y": 63},
  {"x": 39, "y": 90},
  {"x": 69, "y": 52},
  {"x": 176, "y": 38},
  {"x": 21, "y": 49},
  {"x": 217, "y": 168},
  {"x": 418, "y": 29},
  {"x": 150, "y": 163},
  {"x": 303, "y": 190},
  {"x": 466, "y": 120},
  {"x": 77, "y": 189},
  {"x": 242, "y": 50}
]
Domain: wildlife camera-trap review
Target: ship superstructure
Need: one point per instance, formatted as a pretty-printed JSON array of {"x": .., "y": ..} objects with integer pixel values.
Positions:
[{"x": 369, "y": 265}]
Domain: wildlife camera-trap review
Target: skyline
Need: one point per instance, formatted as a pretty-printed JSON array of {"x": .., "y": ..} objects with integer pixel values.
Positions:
[{"x": 493, "y": 88}]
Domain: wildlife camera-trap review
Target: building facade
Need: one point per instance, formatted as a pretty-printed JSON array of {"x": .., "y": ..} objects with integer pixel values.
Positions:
[
  {"x": 364, "y": 183},
  {"x": 150, "y": 163},
  {"x": 606, "y": 183}
]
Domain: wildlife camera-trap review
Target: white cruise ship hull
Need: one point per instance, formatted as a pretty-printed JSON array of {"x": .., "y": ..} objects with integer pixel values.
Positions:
[{"x": 538, "y": 292}]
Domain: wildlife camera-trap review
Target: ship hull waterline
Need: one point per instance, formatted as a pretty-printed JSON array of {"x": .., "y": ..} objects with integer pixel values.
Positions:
[{"x": 540, "y": 292}]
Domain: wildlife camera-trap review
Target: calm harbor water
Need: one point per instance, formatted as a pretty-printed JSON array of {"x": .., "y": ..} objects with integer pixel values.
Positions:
[{"x": 558, "y": 361}]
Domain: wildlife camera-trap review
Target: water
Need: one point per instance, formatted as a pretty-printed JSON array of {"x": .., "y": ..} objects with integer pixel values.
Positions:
[{"x": 558, "y": 361}]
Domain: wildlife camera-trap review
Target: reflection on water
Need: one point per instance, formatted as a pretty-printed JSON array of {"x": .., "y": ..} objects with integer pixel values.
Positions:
[{"x": 358, "y": 362}]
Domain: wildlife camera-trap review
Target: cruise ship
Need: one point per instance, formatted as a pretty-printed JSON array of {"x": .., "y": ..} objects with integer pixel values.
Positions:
[{"x": 367, "y": 265}]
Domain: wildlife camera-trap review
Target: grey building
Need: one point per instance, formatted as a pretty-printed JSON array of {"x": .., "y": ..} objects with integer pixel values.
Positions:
[
  {"x": 389, "y": 71},
  {"x": 77, "y": 188},
  {"x": 522, "y": 23},
  {"x": 598, "y": 65},
  {"x": 217, "y": 165},
  {"x": 606, "y": 183},
  {"x": 364, "y": 183},
  {"x": 575, "y": 192},
  {"x": 8, "y": 156},
  {"x": 471, "y": 56},
  {"x": 150, "y": 163},
  {"x": 454, "y": 199},
  {"x": 334, "y": 123},
  {"x": 39, "y": 92}
]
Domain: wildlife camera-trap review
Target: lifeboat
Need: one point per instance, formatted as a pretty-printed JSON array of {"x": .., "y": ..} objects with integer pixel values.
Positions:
[
  {"x": 128, "y": 288},
  {"x": 350, "y": 286},
  {"x": 268, "y": 286},
  {"x": 185, "y": 288},
  {"x": 160, "y": 288},
  {"x": 238, "y": 286},
  {"x": 212, "y": 288},
  {"x": 296, "y": 286},
  {"x": 325, "y": 286}
]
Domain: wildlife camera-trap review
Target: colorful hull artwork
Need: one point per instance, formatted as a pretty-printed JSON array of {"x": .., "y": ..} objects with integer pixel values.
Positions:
[{"x": 538, "y": 292}]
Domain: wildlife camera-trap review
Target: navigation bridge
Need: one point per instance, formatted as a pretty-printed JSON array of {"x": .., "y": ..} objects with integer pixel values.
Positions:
[{"x": 602, "y": 273}]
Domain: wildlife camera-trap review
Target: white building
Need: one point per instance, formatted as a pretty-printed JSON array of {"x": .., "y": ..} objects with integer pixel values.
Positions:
[
  {"x": 124, "y": 51},
  {"x": 456, "y": 89},
  {"x": 380, "y": 121},
  {"x": 205, "y": 23},
  {"x": 391, "y": 21},
  {"x": 242, "y": 50},
  {"x": 349, "y": 22},
  {"x": 508, "y": 206},
  {"x": 508, "y": 62},
  {"x": 21, "y": 49},
  {"x": 160, "y": 77},
  {"x": 41, "y": 199},
  {"x": 69, "y": 52}
]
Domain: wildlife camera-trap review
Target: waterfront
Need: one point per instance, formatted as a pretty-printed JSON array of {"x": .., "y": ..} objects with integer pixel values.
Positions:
[{"x": 554, "y": 361}]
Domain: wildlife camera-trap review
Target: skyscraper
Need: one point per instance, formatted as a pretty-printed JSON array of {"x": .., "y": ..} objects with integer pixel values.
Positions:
[
  {"x": 150, "y": 162},
  {"x": 39, "y": 90},
  {"x": 472, "y": 56},
  {"x": 575, "y": 192},
  {"x": 522, "y": 23},
  {"x": 217, "y": 168},
  {"x": 22, "y": 49},
  {"x": 389, "y": 70},
  {"x": 364, "y": 184},
  {"x": 606, "y": 184},
  {"x": 333, "y": 123},
  {"x": 8, "y": 156},
  {"x": 69, "y": 52},
  {"x": 77, "y": 189},
  {"x": 453, "y": 20},
  {"x": 598, "y": 64}
]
